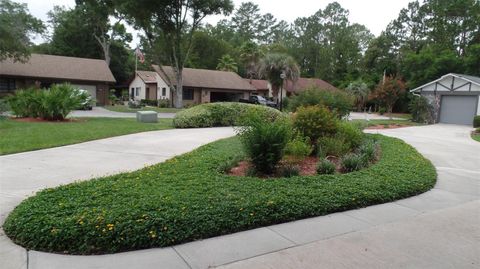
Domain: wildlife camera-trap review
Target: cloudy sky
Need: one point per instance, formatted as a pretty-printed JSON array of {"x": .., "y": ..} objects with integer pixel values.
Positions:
[{"x": 374, "y": 14}]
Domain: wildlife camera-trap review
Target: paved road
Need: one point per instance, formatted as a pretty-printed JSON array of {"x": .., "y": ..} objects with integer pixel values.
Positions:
[
  {"x": 438, "y": 229},
  {"x": 105, "y": 113}
]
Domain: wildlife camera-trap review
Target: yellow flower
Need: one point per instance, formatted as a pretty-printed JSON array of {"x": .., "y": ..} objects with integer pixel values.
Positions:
[{"x": 110, "y": 226}]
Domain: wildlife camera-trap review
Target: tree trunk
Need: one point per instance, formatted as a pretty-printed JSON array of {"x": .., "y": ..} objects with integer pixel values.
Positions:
[{"x": 179, "y": 89}]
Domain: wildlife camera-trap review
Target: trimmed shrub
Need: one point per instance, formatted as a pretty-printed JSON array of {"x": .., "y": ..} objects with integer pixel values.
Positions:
[
  {"x": 299, "y": 147},
  {"x": 350, "y": 133},
  {"x": 264, "y": 142},
  {"x": 314, "y": 122},
  {"x": 222, "y": 114},
  {"x": 352, "y": 162},
  {"x": 338, "y": 102},
  {"x": 476, "y": 121},
  {"x": 148, "y": 102},
  {"x": 421, "y": 110},
  {"x": 325, "y": 167},
  {"x": 332, "y": 146}
]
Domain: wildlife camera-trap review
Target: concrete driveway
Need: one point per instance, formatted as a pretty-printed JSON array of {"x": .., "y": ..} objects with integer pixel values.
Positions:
[
  {"x": 101, "y": 112},
  {"x": 437, "y": 229}
]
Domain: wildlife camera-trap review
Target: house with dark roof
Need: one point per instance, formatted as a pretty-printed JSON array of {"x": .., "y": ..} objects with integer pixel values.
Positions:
[
  {"x": 199, "y": 85},
  {"x": 42, "y": 70}
]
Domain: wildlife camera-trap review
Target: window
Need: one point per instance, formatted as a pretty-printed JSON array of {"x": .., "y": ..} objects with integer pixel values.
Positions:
[
  {"x": 164, "y": 91},
  {"x": 137, "y": 91},
  {"x": 187, "y": 94},
  {"x": 7, "y": 84}
]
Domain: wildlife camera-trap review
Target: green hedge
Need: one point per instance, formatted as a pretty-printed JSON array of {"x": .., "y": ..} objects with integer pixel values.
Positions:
[
  {"x": 220, "y": 114},
  {"x": 189, "y": 197},
  {"x": 476, "y": 121}
]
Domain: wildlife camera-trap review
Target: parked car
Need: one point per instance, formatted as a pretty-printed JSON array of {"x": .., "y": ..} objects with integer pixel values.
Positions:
[
  {"x": 259, "y": 100},
  {"x": 88, "y": 100}
]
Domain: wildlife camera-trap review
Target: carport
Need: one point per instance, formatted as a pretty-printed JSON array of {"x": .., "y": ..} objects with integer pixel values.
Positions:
[{"x": 455, "y": 97}]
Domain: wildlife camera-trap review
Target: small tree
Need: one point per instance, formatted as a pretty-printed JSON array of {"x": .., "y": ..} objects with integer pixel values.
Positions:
[
  {"x": 227, "y": 63},
  {"x": 360, "y": 91},
  {"x": 273, "y": 65},
  {"x": 388, "y": 91}
]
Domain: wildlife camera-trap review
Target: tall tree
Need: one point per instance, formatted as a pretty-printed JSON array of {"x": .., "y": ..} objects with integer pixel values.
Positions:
[
  {"x": 171, "y": 23},
  {"x": 16, "y": 29},
  {"x": 227, "y": 63},
  {"x": 360, "y": 90},
  {"x": 250, "y": 55},
  {"x": 389, "y": 91},
  {"x": 246, "y": 21},
  {"x": 277, "y": 68}
]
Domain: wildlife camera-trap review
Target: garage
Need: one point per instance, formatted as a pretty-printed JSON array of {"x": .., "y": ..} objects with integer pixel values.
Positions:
[
  {"x": 455, "y": 109},
  {"x": 455, "y": 98}
]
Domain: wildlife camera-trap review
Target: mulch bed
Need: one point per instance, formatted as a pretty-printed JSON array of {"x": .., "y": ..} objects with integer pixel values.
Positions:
[{"x": 27, "y": 119}]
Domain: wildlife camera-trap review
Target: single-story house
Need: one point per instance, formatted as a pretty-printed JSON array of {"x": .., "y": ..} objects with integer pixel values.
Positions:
[
  {"x": 43, "y": 70},
  {"x": 264, "y": 88},
  {"x": 455, "y": 97},
  {"x": 199, "y": 85}
]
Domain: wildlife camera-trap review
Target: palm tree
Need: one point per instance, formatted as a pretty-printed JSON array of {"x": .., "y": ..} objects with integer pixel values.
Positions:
[
  {"x": 227, "y": 63},
  {"x": 273, "y": 65},
  {"x": 360, "y": 91},
  {"x": 250, "y": 54}
]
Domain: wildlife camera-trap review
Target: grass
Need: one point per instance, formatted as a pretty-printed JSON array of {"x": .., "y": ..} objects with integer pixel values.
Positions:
[
  {"x": 189, "y": 198},
  {"x": 25, "y": 136},
  {"x": 387, "y": 122},
  {"x": 476, "y": 135},
  {"x": 121, "y": 108}
]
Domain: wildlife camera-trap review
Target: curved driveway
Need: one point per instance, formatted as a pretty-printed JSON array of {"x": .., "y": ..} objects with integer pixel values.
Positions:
[{"x": 437, "y": 229}]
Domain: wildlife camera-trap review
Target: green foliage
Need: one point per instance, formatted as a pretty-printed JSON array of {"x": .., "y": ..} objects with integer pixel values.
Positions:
[
  {"x": 221, "y": 114},
  {"x": 25, "y": 136},
  {"x": 52, "y": 104},
  {"x": 299, "y": 147},
  {"x": 351, "y": 134},
  {"x": 337, "y": 101},
  {"x": 289, "y": 170},
  {"x": 332, "y": 146},
  {"x": 264, "y": 142},
  {"x": 314, "y": 122},
  {"x": 187, "y": 198},
  {"x": 476, "y": 121},
  {"x": 325, "y": 167},
  {"x": 227, "y": 63},
  {"x": 360, "y": 91},
  {"x": 352, "y": 162},
  {"x": 4, "y": 107},
  {"x": 16, "y": 28},
  {"x": 421, "y": 109},
  {"x": 273, "y": 65},
  {"x": 369, "y": 150}
]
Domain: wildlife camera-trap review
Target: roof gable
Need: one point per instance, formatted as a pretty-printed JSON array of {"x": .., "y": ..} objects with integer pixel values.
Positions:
[
  {"x": 203, "y": 78},
  {"x": 469, "y": 79},
  {"x": 58, "y": 67},
  {"x": 258, "y": 84},
  {"x": 148, "y": 76}
]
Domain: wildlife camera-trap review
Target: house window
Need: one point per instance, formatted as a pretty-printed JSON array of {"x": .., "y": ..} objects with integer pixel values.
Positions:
[
  {"x": 7, "y": 84},
  {"x": 187, "y": 94},
  {"x": 164, "y": 91},
  {"x": 137, "y": 91}
]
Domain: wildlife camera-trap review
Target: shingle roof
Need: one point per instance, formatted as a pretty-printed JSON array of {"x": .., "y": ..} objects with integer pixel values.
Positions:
[
  {"x": 148, "y": 76},
  {"x": 305, "y": 83},
  {"x": 59, "y": 67},
  {"x": 258, "y": 84},
  {"x": 212, "y": 79}
]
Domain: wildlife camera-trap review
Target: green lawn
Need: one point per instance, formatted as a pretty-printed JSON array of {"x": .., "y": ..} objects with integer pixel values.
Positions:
[
  {"x": 120, "y": 108},
  {"x": 476, "y": 136},
  {"x": 25, "y": 136},
  {"x": 386, "y": 122},
  {"x": 189, "y": 198}
]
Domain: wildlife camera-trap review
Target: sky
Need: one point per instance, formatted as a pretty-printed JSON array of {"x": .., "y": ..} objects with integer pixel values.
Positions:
[{"x": 374, "y": 14}]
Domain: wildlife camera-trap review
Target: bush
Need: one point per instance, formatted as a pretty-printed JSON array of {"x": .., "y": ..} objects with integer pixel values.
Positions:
[
  {"x": 325, "y": 167},
  {"x": 350, "y": 133},
  {"x": 164, "y": 103},
  {"x": 352, "y": 162},
  {"x": 53, "y": 104},
  {"x": 382, "y": 110},
  {"x": 134, "y": 104},
  {"x": 264, "y": 142},
  {"x": 289, "y": 170},
  {"x": 148, "y": 102},
  {"x": 421, "y": 110},
  {"x": 314, "y": 122},
  {"x": 369, "y": 150},
  {"x": 476, "y": 121},
  {"x": 299, "y": 147},
  {"x": 338, "y": 102},
  {"x": 222, "y": 114},
  {"x": 332, "y": 146}
]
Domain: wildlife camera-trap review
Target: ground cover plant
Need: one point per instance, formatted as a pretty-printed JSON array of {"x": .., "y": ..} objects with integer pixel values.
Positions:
[
  {"x": 476, "y": 134},
  {"x": 222, "y": 114},
  {"x": 189, "y": 197},
  {"x": 19, "y": 136}
]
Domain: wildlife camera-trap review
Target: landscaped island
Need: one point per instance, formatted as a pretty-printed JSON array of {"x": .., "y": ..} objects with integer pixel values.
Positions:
[{"x": 190, "y": 197}]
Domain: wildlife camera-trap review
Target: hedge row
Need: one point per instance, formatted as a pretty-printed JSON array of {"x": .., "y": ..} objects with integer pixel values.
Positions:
[
  {"x": 189, "y": 198},
  {"x": 220, "y": 114}
]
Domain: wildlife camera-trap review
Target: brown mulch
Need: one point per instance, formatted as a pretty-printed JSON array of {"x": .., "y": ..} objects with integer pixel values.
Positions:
[
  {"x": 308, "y": 167},
  {"x": 390, "y": 126},
  {"x": 27, "y": 119}
]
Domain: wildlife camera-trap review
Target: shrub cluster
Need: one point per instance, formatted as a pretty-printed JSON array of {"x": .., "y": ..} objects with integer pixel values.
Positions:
[
  {"x": 222, "y": 114},
  {"x": 476, "y": 121},
  {"x": 188, "y": 198},
  {"x": 421, "y": 110},
  {"x": 314, "y": 122},
  {"x": 50, "y": 104},
  {"x": 325, "y": 167},
  {"x": 338, "y": 102}
]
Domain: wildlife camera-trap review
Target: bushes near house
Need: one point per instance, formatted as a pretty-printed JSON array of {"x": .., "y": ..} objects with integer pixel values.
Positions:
[
  {"x": 421, "y": 110},
  {"x": 476, "y": 122},
  {"x": 338, "y": 102},
  {"x": 222, "y": 114},
  {"x": 51, "y": 104},
  {"x": 188, "y": 198}
]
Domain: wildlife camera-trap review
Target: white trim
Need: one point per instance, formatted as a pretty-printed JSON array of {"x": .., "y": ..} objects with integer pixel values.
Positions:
[{"x": 444, "y": 76}]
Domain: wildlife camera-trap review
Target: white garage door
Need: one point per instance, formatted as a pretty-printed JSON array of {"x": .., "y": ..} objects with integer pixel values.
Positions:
[
  {"x": 92, "y": 90},
  {"x": 457, "y": 109}
]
